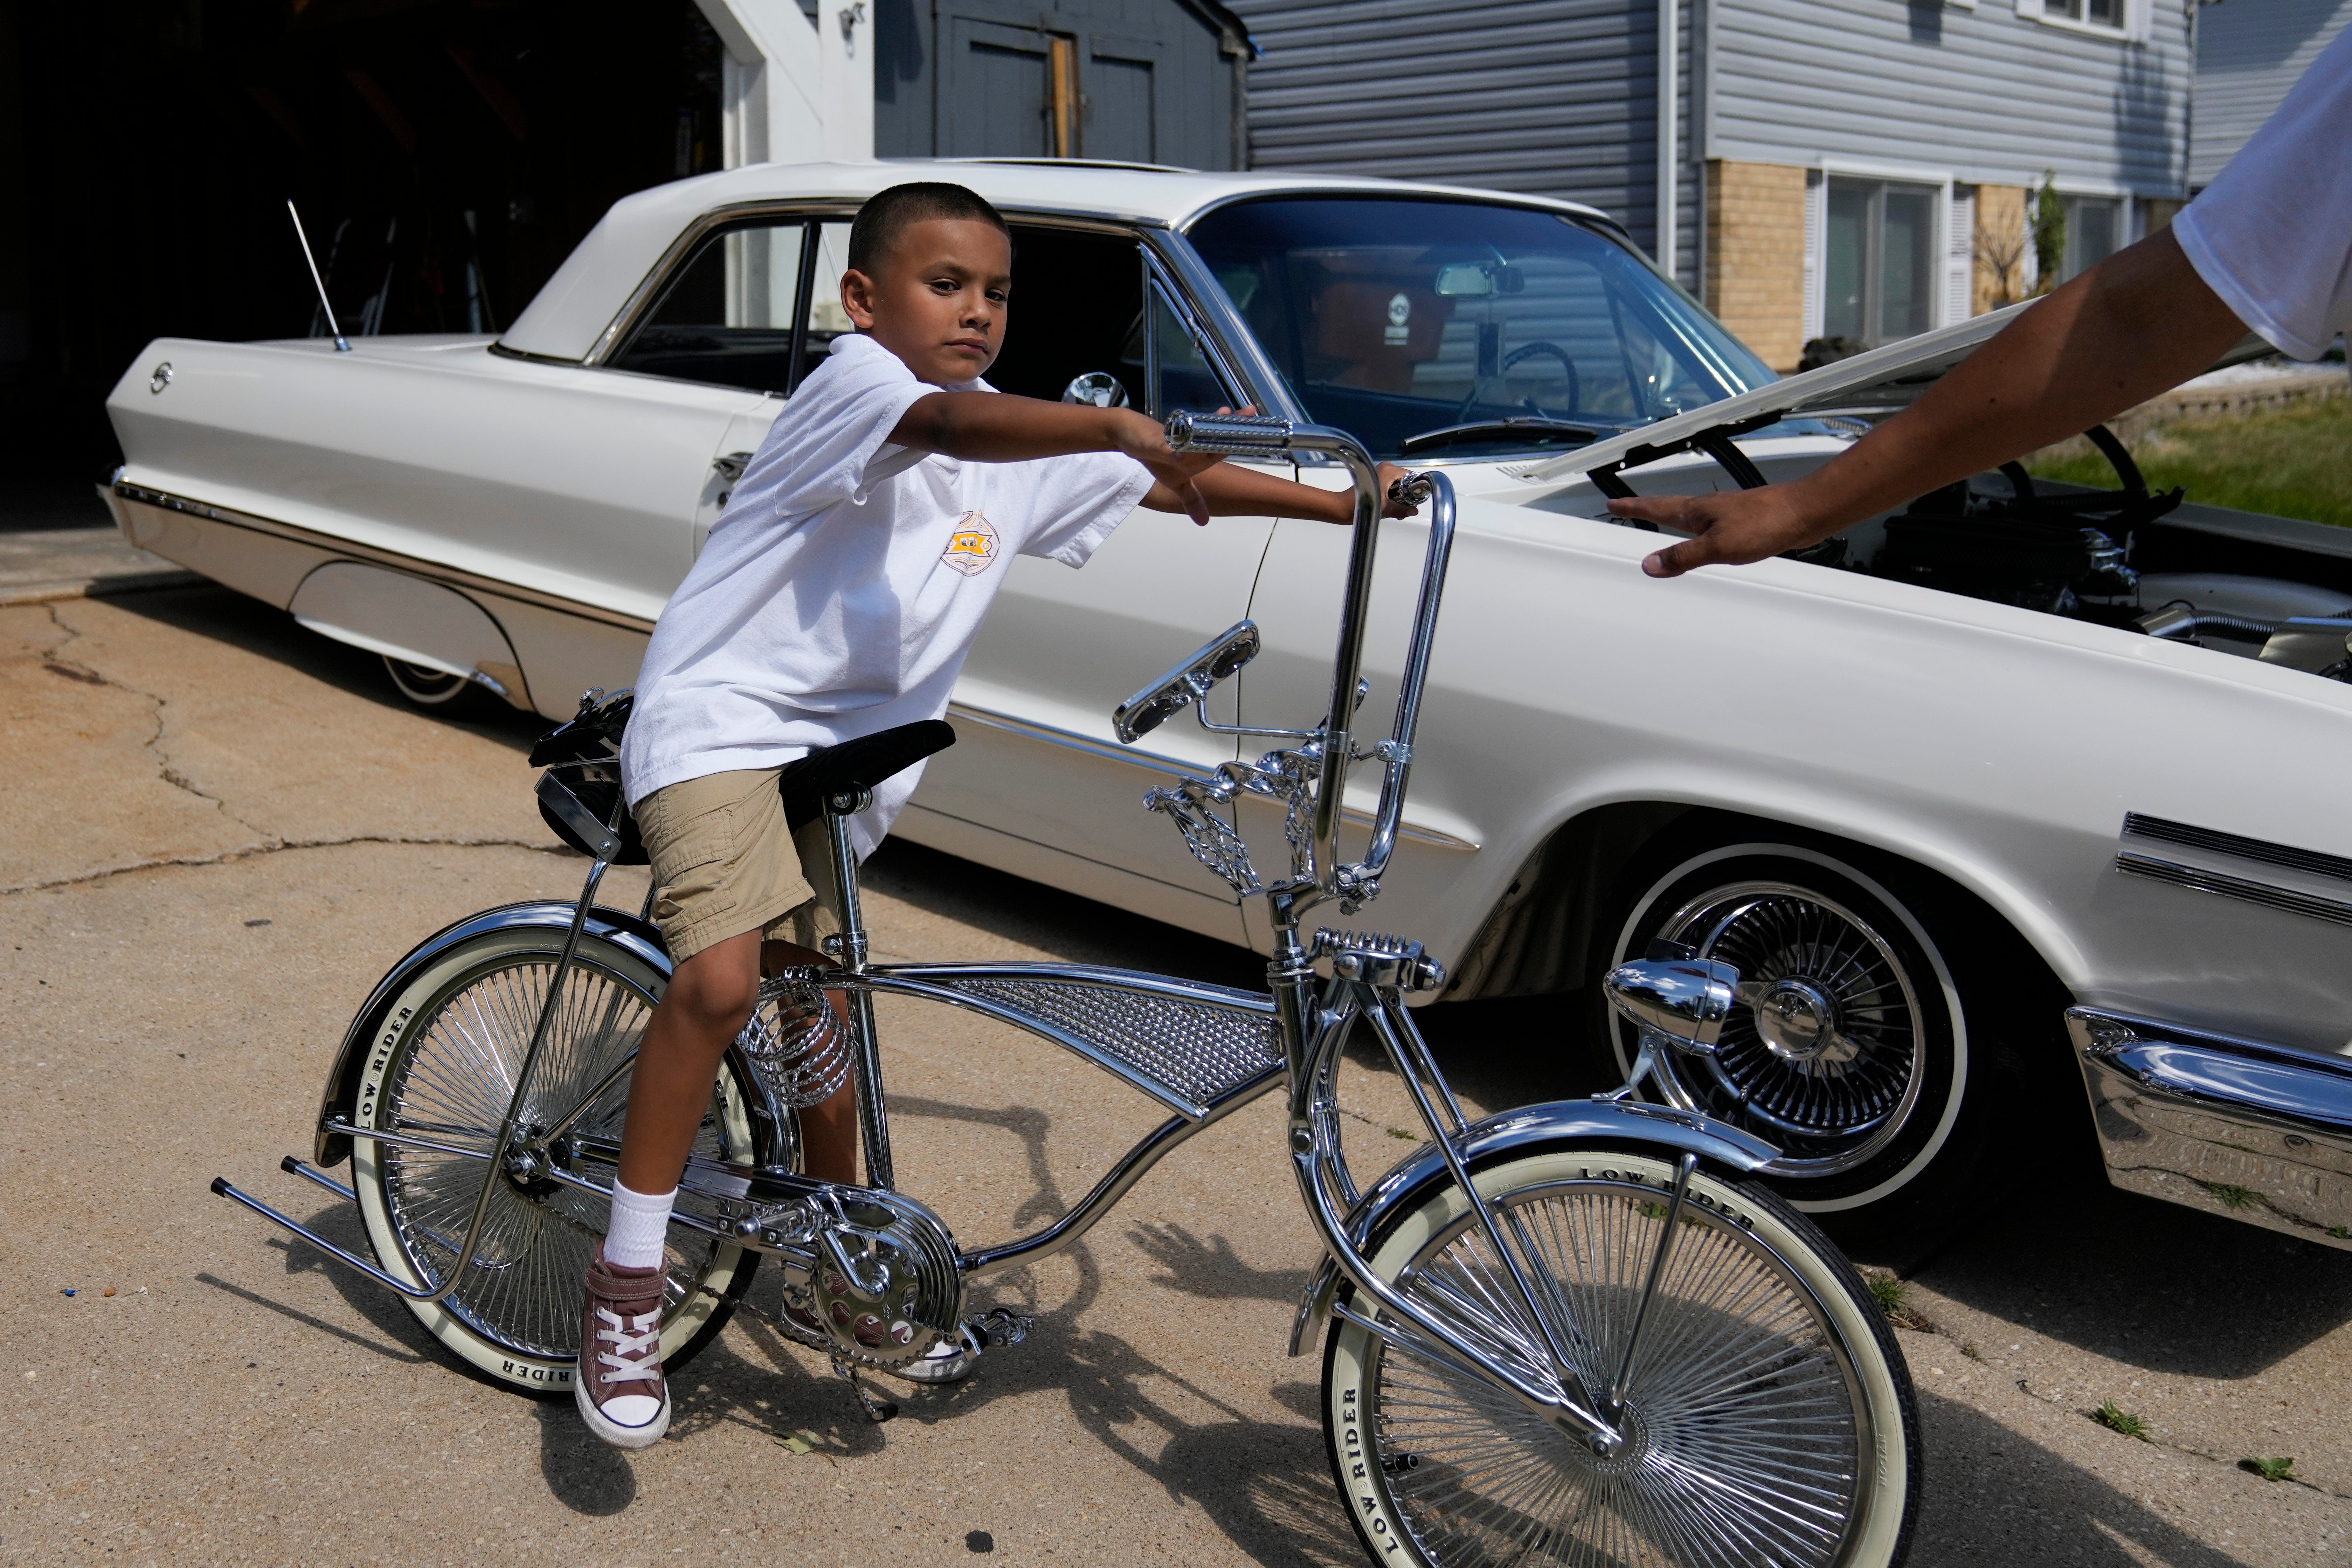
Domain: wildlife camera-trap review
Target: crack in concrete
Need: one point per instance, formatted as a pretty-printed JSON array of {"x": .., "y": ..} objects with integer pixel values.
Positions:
[
  {"x": 280, "y": 846},
  {"x": 2025, "y": 1387},
  {"x": 74, "y": 670},
  {"x": 267, "y": 842}
]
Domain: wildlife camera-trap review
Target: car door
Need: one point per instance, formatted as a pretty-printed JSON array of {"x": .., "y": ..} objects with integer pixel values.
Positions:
[{"x": 1037, "y": 784}]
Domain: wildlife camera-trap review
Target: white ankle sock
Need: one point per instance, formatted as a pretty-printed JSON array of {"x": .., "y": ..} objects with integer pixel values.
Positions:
[{"x": 639, "y": 1226}]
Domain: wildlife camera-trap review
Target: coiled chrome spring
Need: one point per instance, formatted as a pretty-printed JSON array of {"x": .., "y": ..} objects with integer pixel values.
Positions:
[{"x": 794, "y": 1039}]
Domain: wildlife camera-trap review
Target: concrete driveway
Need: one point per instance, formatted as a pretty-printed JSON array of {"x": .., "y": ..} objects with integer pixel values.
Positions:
[{"x": 223, "y": 829}]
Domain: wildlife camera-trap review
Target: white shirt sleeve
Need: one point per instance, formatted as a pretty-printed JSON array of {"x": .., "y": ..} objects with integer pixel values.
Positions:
[
  {"x": 831, "y": 443},
  {"x": 1079, "y": 501},
  {"x": 2273, "y": 234}
]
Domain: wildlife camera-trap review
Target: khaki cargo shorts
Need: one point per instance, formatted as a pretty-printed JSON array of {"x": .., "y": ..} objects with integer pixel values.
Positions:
[{"x": 726, "y": 863}]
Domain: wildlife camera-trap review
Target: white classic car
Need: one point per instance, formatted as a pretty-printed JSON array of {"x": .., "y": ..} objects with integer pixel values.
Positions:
[{"x": 2005, "y": 783}]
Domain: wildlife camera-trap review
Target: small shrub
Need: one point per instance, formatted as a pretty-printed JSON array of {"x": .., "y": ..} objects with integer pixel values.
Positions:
[{"x": 2119, "y": 1420}]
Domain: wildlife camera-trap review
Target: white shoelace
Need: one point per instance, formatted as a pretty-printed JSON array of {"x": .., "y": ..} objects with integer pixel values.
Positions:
[{"x": 636, "y": 1356}]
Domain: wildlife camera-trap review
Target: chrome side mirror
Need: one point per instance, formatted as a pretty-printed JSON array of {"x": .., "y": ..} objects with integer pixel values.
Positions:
[
  {"x": 1684, "y": 1000},
  {"x": 1096, "y": 389},
  {"x": 1186, "y": 684}
]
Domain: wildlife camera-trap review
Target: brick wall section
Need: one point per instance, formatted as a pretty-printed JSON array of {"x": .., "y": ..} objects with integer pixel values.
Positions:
[
  {"x": 1755, "y": 273},
  {"x": 2001, "y": 248}
]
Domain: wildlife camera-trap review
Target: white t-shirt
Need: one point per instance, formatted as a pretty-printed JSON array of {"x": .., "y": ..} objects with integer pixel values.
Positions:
[
  {"x": 842, "y": 587},
  {"x": 2273, "y": 234}
]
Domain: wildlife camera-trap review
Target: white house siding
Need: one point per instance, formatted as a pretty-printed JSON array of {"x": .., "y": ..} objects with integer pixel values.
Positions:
[
  {"x": 1986, "y": 95},
  {"x": 2247, "y": 57},
  {"x": 1555, "y": 97}
]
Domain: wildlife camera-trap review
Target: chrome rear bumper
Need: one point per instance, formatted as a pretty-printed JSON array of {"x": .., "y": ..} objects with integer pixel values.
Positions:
[{"x": 2246, "y": 1131}]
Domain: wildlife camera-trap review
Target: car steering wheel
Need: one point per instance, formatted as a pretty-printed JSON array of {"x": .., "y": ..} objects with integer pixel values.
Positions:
[{"x": 1575, "y": 383}]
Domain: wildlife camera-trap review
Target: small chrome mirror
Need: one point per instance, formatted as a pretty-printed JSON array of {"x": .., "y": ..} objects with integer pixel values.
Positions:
[
  {"x": 1186, "y": 684},
  {"x": 1096, "y": 389},
  {"x": 1684, "y": 999}
]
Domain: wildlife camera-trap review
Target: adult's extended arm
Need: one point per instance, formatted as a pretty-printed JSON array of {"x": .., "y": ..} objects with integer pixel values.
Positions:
[{"x": 2138, "y": 324}]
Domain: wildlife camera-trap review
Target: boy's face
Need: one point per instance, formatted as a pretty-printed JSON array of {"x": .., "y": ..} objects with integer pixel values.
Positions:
[{"x": 938, "y": 299}]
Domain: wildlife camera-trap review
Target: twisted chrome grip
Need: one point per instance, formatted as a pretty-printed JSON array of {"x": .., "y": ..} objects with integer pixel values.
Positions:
[{"x": 1231, "y": 435}]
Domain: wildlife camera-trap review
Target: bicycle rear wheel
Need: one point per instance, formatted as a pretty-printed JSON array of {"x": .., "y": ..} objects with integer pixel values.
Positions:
[
  {"x": 1770, "y": 1418},
  {"x": 443, "y": 1066}
]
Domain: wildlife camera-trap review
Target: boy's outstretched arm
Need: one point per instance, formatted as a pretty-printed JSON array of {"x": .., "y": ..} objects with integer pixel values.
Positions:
[
  {"x": 1006, "y": 428},
  {"x": 1232, "y": 492}
]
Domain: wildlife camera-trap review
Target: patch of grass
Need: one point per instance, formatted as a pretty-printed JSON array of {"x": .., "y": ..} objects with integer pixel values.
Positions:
[
  {"x": 2270, "y": 1469},
  {"x": 2119, "y": 1420},
  {"x": 2287, "y": 461},
  {"x": 1969, "y": 1350},
  {"x": 1401, "y": 1132},
  {"x": 1893, "y": 1297},
  {"x": 2232, "y": 1197}
]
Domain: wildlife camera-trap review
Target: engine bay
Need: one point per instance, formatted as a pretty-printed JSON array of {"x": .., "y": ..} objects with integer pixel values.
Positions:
[{"x": 2126, "y": 558}]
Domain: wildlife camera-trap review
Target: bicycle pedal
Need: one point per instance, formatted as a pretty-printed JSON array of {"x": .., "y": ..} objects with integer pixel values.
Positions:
[{"x": 999, "y": 1327}]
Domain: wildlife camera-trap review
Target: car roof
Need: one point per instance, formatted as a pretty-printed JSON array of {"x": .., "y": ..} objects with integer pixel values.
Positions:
[{"x": 572, "y": 312}]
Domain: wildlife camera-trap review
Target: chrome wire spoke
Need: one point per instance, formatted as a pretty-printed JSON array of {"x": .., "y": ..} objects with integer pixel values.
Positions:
[
  {"x": 1744, "y": 1437},
  {"x": 458, "y": 1079}
]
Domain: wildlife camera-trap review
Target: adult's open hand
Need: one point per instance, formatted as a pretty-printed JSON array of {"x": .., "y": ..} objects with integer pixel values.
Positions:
[
  {"x": 1730, "y": 527},
  {"x": 2136, "y": 323}
]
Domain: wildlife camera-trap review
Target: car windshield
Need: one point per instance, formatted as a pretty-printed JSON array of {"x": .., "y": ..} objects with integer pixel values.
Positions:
[{"x": 1430, "y": 327}]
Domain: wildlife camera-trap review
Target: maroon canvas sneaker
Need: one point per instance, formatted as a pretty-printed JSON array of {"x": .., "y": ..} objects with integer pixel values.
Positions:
[{"x": 619, "y": 1387}]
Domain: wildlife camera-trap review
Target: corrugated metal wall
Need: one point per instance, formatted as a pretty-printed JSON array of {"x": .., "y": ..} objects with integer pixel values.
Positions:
[
  {"x": 1556, "y": 97},
  {"x": 2247, "y": 57},
  {"x": 1990, "y": 95}
]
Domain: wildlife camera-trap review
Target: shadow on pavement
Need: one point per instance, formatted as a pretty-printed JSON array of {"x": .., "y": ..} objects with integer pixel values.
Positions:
[
  {"x": 2144, "y": 1283},
  {"x": 227, "y": 617},
  {"x": 1994, "y": 1497}
]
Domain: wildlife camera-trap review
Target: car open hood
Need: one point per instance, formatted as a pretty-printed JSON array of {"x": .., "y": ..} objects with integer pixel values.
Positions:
[{"x": 1869, "y": 385}]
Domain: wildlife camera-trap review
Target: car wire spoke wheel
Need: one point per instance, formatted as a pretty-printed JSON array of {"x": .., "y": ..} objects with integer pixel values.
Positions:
[
  {"x": 1848, "y": 1046},
  {"x": 1768, "y": 1415},
  {"x": 1820, "y": 1055},
  {"x": 443, "y": 1071}
]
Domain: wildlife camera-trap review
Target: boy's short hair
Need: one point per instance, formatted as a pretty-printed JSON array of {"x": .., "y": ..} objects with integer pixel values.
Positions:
[{"x": 887, "y": 214}]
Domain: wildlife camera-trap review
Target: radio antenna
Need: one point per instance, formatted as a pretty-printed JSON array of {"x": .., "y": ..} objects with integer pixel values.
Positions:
[{"x": 342, "y": 344}]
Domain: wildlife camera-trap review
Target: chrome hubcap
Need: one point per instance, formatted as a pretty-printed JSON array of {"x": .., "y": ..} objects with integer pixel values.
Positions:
[
  {"x": 1797, "y": 1021},
  {"x": 1821, "y": 1053}
]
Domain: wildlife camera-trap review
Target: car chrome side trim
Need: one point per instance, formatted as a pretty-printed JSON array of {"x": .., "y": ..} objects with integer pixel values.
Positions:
[
  {"x": 2267, "y": 894},
  {"x": 2237, "y": 1128},
  {"x": 1152, "y": 762},
  {"x": 434, "y": 571},
  {"x": 2317, "y": 862}
]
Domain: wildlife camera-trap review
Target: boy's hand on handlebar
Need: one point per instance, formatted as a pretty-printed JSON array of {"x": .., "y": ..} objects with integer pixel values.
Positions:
[
  {"x": 1145, "y": 439},
  {"x": 1391, "y": 503}
]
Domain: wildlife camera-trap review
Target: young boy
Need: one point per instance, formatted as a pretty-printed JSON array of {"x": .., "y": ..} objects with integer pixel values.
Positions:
[{"x": 836, "y": 597}]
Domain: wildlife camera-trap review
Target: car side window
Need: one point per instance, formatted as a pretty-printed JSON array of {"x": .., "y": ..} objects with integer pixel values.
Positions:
[
  {"x": 726, "y": 315},
  {"x": 1076, "y": 301}
]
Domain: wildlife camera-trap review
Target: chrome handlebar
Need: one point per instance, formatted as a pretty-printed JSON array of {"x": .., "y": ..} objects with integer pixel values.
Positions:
[{"x": 1256, "y": 436}]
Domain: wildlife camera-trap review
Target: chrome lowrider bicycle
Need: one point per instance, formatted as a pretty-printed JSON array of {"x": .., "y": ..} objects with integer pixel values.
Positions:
[{"x": 1568, "y": 1333}]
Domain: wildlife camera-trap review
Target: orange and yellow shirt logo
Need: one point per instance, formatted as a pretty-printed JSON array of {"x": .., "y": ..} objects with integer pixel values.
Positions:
[{"x": 972, "y": 545}]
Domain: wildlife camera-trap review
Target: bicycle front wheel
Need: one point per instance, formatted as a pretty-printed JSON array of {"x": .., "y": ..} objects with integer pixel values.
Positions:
[
  {"x": 443, "y": 1066},
  {"x": 1769, "y": 1415}
]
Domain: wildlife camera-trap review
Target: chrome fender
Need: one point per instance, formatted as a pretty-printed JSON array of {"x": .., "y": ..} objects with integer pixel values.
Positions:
[
  {"x": 1519, "y": 1132},
  {"x": 624, "y": 931}
]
